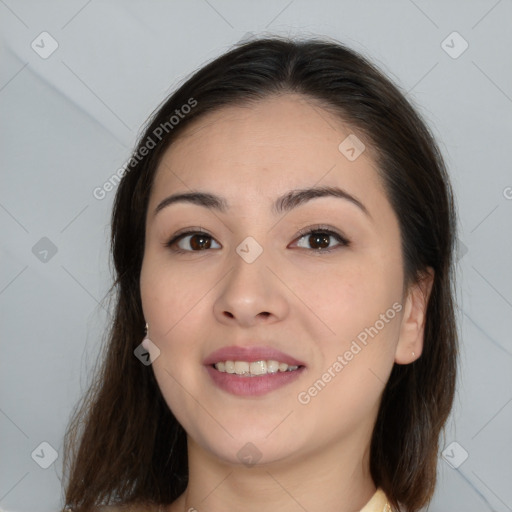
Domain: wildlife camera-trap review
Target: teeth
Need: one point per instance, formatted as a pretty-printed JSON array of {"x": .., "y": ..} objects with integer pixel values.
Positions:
[
  {"x": 272, "y": 366},
  {"x": 241, "y": 367},
  {"x": 253, "y": 368},
  {"x": 258, "y": 368}
]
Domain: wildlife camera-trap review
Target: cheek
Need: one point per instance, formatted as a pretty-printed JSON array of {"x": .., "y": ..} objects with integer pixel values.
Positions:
[
  {"x": 359, "y": 303},
  {"x": 168, "y": 294},
  {"x": 181, "y": 377},
  {"x": 362, "y": 310},
  {"x": 173, "y": 308},
  {"x": 352, "y": 295},
  {"x": 176, "y": 307}
]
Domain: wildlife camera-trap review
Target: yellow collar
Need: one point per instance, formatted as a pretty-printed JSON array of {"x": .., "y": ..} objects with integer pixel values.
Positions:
[{"x": 377, "y": 503}]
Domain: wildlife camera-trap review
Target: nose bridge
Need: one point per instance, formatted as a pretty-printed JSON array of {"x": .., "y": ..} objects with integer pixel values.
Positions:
[
  {"x": 249, "y": 270},
  {"x": 250, "y": 289}
]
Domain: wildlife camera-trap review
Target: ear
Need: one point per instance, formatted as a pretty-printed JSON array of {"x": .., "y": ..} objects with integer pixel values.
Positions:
[{"x": 412, "y": 328}]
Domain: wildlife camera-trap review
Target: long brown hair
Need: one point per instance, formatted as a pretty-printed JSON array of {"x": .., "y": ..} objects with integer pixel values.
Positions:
[{"x": 123, "y": 444}]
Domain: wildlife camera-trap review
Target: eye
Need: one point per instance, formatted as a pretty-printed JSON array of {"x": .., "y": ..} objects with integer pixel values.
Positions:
[
  {"x": 318, "y": 239},
  {"x": 196, "y": 240},
  {"x": 321, "y": 239}
]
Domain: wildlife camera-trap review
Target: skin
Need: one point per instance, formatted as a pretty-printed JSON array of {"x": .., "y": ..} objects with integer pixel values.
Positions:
[{"x": 307, "y": 303}]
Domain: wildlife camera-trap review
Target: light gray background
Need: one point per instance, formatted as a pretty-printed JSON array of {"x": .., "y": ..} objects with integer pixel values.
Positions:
[{"x": 70, "y": 120}]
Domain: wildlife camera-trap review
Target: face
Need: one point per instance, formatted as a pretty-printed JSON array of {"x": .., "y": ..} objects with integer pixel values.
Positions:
[{"x": 318, "y": 278}]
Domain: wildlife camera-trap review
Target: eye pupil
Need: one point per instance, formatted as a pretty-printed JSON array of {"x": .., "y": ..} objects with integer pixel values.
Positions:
[
  {"x": 200, "y": 242},
  {"x": 321, "y": 239}
]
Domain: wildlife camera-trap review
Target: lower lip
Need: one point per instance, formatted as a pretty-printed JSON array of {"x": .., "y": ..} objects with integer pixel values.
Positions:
[{"x": 252, "y": 386}]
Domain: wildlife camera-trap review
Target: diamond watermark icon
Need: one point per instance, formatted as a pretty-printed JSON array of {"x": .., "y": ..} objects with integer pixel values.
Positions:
[
  {"x": 44, "y": 45},
  {"x": 454, "y": 454},
  {"x": 352, "y": 147},
  {"x": 454, "y": 45},
  {"x": 147, "y": 352},
  {"x": 44, "y": 250},
  {"x": 249, "y": 250},
  {"x": 45, "y": 455},
  {"x": 249, "y": 454},
  {"x": 461, "y": 249}
]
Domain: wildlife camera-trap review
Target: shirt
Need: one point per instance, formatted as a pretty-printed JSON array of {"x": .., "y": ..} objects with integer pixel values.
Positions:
[{"x": 377, "y": 503}]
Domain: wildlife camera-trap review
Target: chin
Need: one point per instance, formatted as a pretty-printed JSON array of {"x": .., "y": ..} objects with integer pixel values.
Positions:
[{"x": 249, "y": 450}]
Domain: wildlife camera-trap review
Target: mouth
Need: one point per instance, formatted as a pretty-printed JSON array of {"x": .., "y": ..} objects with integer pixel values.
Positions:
[
  {"x": 254, "y": 368},
  {"x": 252, "y": 371}
]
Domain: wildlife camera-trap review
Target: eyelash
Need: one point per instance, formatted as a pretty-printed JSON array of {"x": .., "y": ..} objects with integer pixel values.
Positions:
[{"x": 344, "y": 242}]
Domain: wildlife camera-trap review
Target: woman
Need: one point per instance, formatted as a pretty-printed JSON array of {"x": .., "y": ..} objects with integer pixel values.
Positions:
[{"x": 284, "y": 234}]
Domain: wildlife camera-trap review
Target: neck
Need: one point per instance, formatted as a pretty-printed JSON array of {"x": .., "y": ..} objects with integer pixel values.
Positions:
[{"x": 337, "y": 479}]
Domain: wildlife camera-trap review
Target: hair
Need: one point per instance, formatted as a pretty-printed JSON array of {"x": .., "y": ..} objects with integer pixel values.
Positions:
[{"x": 123, "y": 443}]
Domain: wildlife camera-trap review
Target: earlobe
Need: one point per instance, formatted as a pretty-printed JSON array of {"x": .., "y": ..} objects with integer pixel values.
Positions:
[{"x": 410, "y": 341}]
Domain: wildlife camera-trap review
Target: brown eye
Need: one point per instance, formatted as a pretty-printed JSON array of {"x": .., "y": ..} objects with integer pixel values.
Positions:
[
  {"x": 192, "y": 242},
  {"x": 319, "y": 240},
  {"x": 322, "y": 240},
  {"x": 200, "y": 242}
]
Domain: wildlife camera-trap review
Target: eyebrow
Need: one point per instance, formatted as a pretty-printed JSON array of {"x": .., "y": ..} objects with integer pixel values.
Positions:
[{"x": 283, "y": 204}]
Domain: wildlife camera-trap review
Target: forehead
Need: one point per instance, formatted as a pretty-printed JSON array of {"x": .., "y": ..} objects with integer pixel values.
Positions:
[{"x": 266, "y": 148}]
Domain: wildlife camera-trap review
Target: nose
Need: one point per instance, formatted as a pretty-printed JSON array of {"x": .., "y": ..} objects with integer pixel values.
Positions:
[{"x": 251, "y": 294}]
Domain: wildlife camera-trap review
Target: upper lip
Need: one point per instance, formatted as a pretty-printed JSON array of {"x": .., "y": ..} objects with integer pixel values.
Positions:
[{"x": 251, "y": 354}]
